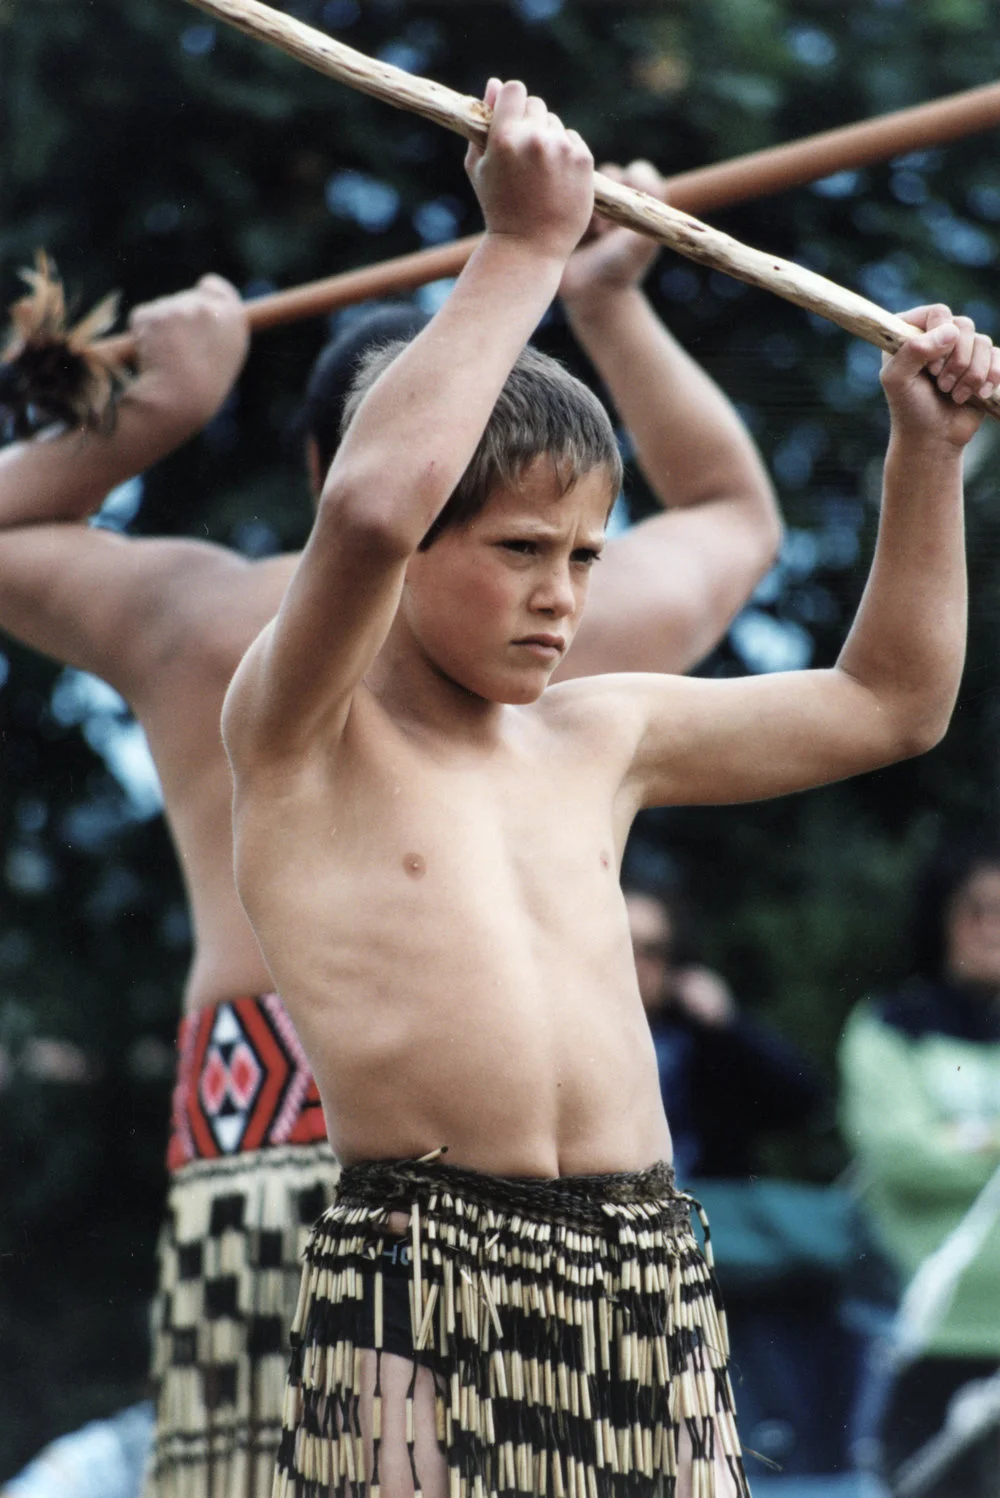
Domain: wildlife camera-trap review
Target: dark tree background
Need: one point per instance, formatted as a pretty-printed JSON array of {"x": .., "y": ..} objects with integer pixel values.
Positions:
[{"x": 142, "y": 146}]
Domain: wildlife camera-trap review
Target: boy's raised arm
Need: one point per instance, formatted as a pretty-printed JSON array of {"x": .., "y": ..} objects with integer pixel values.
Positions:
[
  {"x": 893, "y": 688},
  {"x": 413, "y": 435},
  {"x": 667, "y": 590}
]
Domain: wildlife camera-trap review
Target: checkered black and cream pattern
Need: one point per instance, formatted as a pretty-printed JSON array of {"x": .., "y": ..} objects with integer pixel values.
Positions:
[{"x": 250, "y": 1173}]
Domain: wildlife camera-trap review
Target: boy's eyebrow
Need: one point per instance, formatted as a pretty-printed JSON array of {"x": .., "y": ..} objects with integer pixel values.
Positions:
[
  {"x": 533, "y": 529},
  {"x": 528, "y": 524}
]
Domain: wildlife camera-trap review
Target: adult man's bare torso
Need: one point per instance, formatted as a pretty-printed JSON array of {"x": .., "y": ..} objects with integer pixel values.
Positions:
[
  {"x": 179, "y": 709},
  {"x": 447, "y": 931}
]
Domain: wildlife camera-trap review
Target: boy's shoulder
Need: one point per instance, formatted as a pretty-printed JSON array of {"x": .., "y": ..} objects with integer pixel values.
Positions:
[
  {"x": 610, "y": 691},
  {"x": 596, "y": 706},
  {"x": 574, "y": 693},
  {"x": 586, "y": 711}
]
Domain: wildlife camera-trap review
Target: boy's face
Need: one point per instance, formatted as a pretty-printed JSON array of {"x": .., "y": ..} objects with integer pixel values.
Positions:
[{"x": 495, "y": 604}]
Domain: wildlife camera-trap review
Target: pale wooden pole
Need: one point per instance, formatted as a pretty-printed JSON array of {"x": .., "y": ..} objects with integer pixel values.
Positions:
[
  {"x": 757, "y": 174},
  {"x": 468, "y": 117}
]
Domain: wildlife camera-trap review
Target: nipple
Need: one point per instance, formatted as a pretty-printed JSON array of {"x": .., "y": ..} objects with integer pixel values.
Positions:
[
  {"x": 605, "y": 861},
  {"x": 415, "y": 865}
]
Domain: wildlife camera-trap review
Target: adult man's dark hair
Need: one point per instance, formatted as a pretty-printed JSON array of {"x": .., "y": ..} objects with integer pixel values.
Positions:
[{"x": 337, "y": 364}]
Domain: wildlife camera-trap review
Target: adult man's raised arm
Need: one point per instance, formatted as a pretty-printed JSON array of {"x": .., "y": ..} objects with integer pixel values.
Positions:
[
  {"x": 82, "y": 594},
  {"x": 667, "y": 590}
]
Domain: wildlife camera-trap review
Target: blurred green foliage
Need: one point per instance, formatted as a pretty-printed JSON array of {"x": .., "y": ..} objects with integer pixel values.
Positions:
[{"x": 142, "y": 146}]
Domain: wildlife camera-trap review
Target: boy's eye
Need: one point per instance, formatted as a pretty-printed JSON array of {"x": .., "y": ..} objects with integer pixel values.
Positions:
[
  {"x": 523, "y": 548},
  {"x": 587, "y": 556}
]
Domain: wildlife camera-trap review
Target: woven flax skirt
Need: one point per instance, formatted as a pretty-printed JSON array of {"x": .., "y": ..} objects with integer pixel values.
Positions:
[
  {"x": 573, "y": 1329},
  {"x": 250, "y": 1172}
]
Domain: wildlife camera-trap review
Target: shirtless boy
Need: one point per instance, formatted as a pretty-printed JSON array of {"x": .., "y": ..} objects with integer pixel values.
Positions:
[
  {"x": 427, "y": 843},
  {"x": 166, "y": 621}
]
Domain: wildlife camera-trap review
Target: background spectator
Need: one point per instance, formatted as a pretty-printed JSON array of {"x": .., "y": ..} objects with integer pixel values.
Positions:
[
  {"x": 728, "y": 1081},
  {"x": 725, "y": 1079},
  {"x": 921, "y": 1108},
  {"x": 105, "y": 1459}
]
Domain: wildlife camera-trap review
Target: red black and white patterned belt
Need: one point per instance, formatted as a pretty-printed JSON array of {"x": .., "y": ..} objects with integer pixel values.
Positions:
[{"x": 243, "y": 1083}]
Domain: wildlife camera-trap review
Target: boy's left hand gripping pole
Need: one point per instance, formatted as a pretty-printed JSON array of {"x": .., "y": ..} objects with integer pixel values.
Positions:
[{"x": 625, "y": 205}]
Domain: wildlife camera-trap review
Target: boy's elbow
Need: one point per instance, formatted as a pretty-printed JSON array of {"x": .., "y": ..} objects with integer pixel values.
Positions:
[
  {"x": 356, "y": 506},
  {"x": 900, "y": 715},
  {"x": 929, "y": 733},
  {"x": 754, "y": 536},
  {"x": 917, "y": 730}
]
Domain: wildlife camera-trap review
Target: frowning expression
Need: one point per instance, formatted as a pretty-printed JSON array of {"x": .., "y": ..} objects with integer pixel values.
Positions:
[{"x": 495, "y": 604}]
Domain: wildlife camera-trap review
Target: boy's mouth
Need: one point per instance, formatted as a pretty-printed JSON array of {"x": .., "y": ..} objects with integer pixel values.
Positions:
[{"x": 548, "y": 647}]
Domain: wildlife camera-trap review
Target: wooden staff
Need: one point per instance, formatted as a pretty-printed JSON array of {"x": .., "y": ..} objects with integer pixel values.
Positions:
[
  {"x": 758, "y": 174},
  {"x": 468, "y": 117},
  {"x": 755, "y": 175},
  {"x": 844, "y": 149}
]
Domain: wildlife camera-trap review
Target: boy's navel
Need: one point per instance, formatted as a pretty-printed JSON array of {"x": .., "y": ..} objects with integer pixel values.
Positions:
[{"x": 415, "y": 865}]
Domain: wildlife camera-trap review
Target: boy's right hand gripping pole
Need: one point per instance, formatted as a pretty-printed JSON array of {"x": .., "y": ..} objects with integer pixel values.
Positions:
[{"x": 468, "y": 117}]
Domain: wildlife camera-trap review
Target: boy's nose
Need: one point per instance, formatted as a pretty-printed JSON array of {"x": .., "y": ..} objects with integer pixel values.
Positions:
[{"x": 555, "y": 595}]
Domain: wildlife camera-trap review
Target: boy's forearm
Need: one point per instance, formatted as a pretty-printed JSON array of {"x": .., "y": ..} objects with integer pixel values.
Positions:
[
  {"x": 689, "y": 440},
  {"x": 907, "y": 644},
  {"x": 417, "y": 428}
]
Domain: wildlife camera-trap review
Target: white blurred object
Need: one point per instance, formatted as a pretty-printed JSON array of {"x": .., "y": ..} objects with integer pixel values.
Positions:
[
  {"x": 972, "y": 1412},
  {"x": 80, "y": 699},
  {"x": 930, "y": 1292},
  {"x": 104, "y": 1459}
]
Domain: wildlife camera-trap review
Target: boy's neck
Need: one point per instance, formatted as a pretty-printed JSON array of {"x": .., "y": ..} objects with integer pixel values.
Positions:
[{"x": 417, "y": 694}]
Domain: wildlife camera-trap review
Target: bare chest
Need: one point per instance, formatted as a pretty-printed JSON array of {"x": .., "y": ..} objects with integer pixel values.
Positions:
[
  {"x": 526, "y": 821},
  {"x": 401, "y": 839}
]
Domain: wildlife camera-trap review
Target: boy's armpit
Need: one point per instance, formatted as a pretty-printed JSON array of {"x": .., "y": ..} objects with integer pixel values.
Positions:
[
  {"x": 296, "y": 687},
  {"x": 274, "y": 753},
  {"x": 240, "y": 710}
]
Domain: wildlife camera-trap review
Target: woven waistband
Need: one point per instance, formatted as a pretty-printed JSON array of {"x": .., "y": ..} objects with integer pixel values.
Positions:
[
  {"x": 243, "y": 1083},
  {"x": 585, "y": 1202}
]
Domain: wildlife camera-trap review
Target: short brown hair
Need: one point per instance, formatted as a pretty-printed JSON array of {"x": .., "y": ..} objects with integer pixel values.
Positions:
[{"x": 542, "y": 409}]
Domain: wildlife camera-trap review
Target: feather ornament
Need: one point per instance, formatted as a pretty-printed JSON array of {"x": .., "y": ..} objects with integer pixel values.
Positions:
[{"x": 50, "y": 372}]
